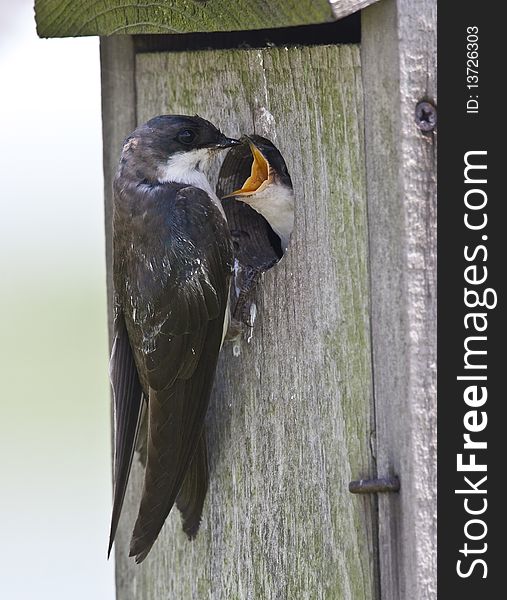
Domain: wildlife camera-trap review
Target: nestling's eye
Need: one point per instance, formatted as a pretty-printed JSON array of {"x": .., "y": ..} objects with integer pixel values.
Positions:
[{"x": 187, "y": 136}]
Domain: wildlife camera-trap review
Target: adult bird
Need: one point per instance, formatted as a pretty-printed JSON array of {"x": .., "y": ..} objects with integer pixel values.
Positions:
[{"x": 172, "y": 261}]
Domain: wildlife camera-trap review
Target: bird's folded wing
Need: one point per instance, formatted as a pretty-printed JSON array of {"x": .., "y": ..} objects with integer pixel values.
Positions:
[
  {"x": 176, "y": 332},
  {"x": 127, "y": 395},
  {"x": 190, "y": 499}
]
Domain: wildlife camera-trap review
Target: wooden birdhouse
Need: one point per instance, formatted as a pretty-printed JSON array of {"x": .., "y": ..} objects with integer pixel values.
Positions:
[{"x": 334, "y": 380}]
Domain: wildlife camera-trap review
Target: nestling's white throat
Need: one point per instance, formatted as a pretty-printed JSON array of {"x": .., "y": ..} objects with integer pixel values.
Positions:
[{"x": 276, "y": 204}]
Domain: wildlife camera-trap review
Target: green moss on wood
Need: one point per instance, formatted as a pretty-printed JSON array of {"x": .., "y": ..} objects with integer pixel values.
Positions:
[
  {"x": 67, "y": 18},
  {"x": 290, "y": 420}
]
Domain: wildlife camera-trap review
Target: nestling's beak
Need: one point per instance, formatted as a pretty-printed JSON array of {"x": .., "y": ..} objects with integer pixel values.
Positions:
[
  {"x": 260, "y": 175},
  {"x": 226, "y": 142}
]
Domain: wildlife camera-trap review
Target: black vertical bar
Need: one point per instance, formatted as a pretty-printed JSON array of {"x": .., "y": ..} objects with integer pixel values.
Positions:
[{"x": 471, "y": 310}]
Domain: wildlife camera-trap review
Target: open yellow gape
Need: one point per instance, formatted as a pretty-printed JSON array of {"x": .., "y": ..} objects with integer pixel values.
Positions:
[{"x": 260, "y": 175}]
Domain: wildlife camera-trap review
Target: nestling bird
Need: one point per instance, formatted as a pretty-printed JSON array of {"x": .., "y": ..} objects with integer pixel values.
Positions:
[
  {"x": 172, "y": 262},
  {"x": 261, "y": 224},
  {"x": 268, "y": 189}
]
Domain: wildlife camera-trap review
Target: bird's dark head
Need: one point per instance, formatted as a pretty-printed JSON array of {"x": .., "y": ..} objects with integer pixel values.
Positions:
[
  {"x": 268, "y": 167},
  {"x": 171, "y": 134},
  {"x": 169, "y": 147}
]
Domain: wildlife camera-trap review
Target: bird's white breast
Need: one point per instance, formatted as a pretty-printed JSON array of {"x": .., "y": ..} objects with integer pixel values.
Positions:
[
  {"x": 276, "y": 204},
  {"x": 187, "y": 168}
]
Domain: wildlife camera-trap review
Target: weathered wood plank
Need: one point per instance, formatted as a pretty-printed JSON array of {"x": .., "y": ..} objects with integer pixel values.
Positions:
[
  {"x": 291, "y": 417},
  {"x": 60, "y": 18},
  {"x": 63, "y": 18},
  {"x": 343, "y": 8},
  {"x": 399, "y": 69},
  {"x": 117, "y": 63}
]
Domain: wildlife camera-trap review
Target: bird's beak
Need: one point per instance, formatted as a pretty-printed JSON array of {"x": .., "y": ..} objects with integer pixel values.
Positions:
[
  {"x": 226, "y": 142},
  {"x": 260, "y": 173}
]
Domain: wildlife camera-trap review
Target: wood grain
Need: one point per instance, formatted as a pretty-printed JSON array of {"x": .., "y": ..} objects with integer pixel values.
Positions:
[
  {"x": 118, "y": 120},
  {"x": 399, "y": 69},
  {"x": 291, "y": 418},
  {"x": 343, "y": 8},
  {"x": 66, "y": 18}
]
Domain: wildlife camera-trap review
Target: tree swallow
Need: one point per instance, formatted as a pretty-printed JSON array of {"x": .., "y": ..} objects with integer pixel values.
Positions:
[
  {"x": 268, "y": 189},
  {"x": 261, "y": 224},
  {"x": 172, "y": 263}
]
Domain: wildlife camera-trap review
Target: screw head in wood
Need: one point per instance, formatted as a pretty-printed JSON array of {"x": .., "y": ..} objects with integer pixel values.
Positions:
[{"x": 426, "y": 116}]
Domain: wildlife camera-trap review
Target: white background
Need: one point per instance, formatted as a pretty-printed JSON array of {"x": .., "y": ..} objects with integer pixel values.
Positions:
[{"x": 55, "y": 491}]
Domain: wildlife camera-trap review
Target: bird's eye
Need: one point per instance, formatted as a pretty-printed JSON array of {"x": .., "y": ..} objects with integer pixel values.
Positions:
[{"x": 187, "y": 136}]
